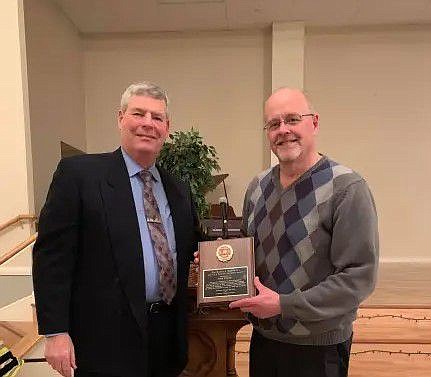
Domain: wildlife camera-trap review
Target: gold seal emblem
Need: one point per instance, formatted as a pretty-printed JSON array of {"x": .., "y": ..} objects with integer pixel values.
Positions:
[{"x": 224, "y": 253}]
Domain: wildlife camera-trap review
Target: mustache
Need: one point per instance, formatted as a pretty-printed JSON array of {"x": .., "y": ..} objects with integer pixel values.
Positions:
[{"x": 282, "y": 139}]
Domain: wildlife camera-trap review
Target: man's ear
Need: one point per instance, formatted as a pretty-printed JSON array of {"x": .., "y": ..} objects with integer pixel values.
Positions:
[
  {"x": 316, "y": 123},
  {"x": 120, "y": 116}
]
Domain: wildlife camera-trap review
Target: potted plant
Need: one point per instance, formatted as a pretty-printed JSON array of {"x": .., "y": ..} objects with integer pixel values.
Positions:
[{"x": 186, "y": 156}]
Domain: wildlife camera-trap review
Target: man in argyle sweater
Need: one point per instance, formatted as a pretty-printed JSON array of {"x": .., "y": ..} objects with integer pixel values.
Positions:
[{"x": 314, "y": 225}]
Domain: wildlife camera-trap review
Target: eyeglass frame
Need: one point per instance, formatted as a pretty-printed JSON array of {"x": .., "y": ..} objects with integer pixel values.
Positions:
[{"x": 282, "y": 118}]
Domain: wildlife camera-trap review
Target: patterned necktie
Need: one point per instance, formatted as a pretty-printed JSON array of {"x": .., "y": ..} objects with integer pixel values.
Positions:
[{"x": 161, "y": 247}]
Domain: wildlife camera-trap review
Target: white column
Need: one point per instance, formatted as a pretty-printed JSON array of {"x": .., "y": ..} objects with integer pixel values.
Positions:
[
  {"x": 16, "y": 188},
  {"x": 288, "y": 40}
]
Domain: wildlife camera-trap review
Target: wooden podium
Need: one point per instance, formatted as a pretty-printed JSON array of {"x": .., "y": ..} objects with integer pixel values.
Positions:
[{"x": 212, "y": 337}]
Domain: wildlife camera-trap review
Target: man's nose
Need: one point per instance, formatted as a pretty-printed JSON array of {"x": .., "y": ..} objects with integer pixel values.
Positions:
[
  {"x": 147, "y": 119},
  {"x": 285, "y": 127}
]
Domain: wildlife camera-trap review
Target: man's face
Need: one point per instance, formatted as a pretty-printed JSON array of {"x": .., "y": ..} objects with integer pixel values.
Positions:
[
  {"x": 295, "y": 141},
  {"x": 144, "y": 126}
]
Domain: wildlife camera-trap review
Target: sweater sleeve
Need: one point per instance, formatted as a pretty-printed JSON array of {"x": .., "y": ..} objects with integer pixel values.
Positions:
[
  {"x": 354, "y": 256},
  {"x": 245, "y": 212}
]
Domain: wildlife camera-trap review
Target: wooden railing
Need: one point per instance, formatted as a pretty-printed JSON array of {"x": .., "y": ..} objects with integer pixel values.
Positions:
[
  {"x": 20, "y": 337},
  {"x": 17, "y": 219},
  {"x": 29, "y": 339},
  {"x": 21, "y": 246},
  {"x": 27, "y": 334}
]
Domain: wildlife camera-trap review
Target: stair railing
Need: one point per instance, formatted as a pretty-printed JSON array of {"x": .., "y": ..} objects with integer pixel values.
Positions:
[
  {"x": 17, "y": 219},
  {"x": 22, "y": 245}
]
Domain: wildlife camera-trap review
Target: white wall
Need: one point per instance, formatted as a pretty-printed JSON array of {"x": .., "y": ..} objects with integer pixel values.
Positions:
[
  {"x": 372, "y": 88},
  {"x": 16, "y": 190},
  {"x": 217, "y": 83},
  {"x": 56, "y": 88}
]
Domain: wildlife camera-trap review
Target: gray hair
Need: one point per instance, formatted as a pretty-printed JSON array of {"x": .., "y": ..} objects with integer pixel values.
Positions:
[{"x": 146, "y": 89}]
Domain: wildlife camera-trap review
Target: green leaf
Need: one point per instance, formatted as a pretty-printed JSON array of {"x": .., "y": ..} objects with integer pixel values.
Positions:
[{"x": 187, "y": 157}]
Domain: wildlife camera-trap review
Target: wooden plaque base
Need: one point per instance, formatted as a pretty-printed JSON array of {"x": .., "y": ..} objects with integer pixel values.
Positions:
[{"x": 226, "y": 271}]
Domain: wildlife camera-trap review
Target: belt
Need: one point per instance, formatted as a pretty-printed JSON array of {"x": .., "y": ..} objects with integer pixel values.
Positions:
[{"x": 157, "y": 307}]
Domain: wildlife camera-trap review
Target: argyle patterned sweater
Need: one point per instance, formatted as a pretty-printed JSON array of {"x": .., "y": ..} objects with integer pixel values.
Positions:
[{"x": 316, "y": 244}]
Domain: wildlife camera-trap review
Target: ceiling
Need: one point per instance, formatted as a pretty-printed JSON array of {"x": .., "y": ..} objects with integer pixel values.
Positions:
[{"x": 112, "y": 16}]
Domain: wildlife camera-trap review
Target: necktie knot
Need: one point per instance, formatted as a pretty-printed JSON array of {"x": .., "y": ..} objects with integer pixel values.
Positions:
[{"x": 146, "y": 176}]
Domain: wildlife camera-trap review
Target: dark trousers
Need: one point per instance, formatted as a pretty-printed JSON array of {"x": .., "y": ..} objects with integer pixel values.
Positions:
[
  {"x": 269, "y": 358},
  {"x": 162, "y": 335},
  {"x": 161, "y": 330}
]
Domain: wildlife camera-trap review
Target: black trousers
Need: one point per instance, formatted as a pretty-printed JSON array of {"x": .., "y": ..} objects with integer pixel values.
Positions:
[
  {"x": 162, "y": 333},
  {"x": 269, "y": 358}
]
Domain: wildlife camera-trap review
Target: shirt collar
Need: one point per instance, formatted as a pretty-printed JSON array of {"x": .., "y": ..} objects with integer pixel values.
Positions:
[{"x": 133, "y": 168}]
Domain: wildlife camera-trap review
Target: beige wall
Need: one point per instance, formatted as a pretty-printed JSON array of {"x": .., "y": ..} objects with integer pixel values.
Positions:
[
  {"x": 288, "y": 41},
  {"x": 217, "y": 83},
  {"x": 372, "y": 88},
  {"x": 56, "y": 88},
  {"x": 365, "y": 82},
  {"x": 362, "y": 81},
  {"x": 15, "y": 163}
]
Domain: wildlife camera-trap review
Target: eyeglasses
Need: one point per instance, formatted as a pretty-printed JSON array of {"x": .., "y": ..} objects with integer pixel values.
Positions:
[{"x": 291, "y": 119}]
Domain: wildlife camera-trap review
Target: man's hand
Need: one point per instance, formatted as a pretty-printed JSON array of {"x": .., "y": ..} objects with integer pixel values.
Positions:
[
  {"x": 266, "y": 304},
  {"x": 60, "y": 354}
]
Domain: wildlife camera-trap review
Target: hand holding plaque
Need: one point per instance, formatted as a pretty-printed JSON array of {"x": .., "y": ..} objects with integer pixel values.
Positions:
[{"x": 226, "y": 271}]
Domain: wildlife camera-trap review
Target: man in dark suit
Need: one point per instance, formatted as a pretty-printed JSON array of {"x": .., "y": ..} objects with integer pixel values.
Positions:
[{"x": 111, "y": 261}]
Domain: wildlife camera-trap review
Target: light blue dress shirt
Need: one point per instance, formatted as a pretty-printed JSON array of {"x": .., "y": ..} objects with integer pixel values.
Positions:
[{"x": 150, "y": 262}]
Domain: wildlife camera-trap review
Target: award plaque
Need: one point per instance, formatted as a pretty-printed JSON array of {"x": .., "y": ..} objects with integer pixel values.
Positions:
[{"x": 226, "y": 271}]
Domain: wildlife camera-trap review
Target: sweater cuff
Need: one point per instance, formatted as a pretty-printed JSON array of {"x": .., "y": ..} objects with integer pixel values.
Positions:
[{"x": 287, "y": 301}]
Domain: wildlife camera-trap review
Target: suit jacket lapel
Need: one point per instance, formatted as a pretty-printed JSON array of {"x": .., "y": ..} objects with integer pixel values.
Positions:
[{"x": 123, "y": 229}]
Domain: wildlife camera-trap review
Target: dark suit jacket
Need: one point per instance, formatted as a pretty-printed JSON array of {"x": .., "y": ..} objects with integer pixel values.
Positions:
[{"x": 88, "y": 267}]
